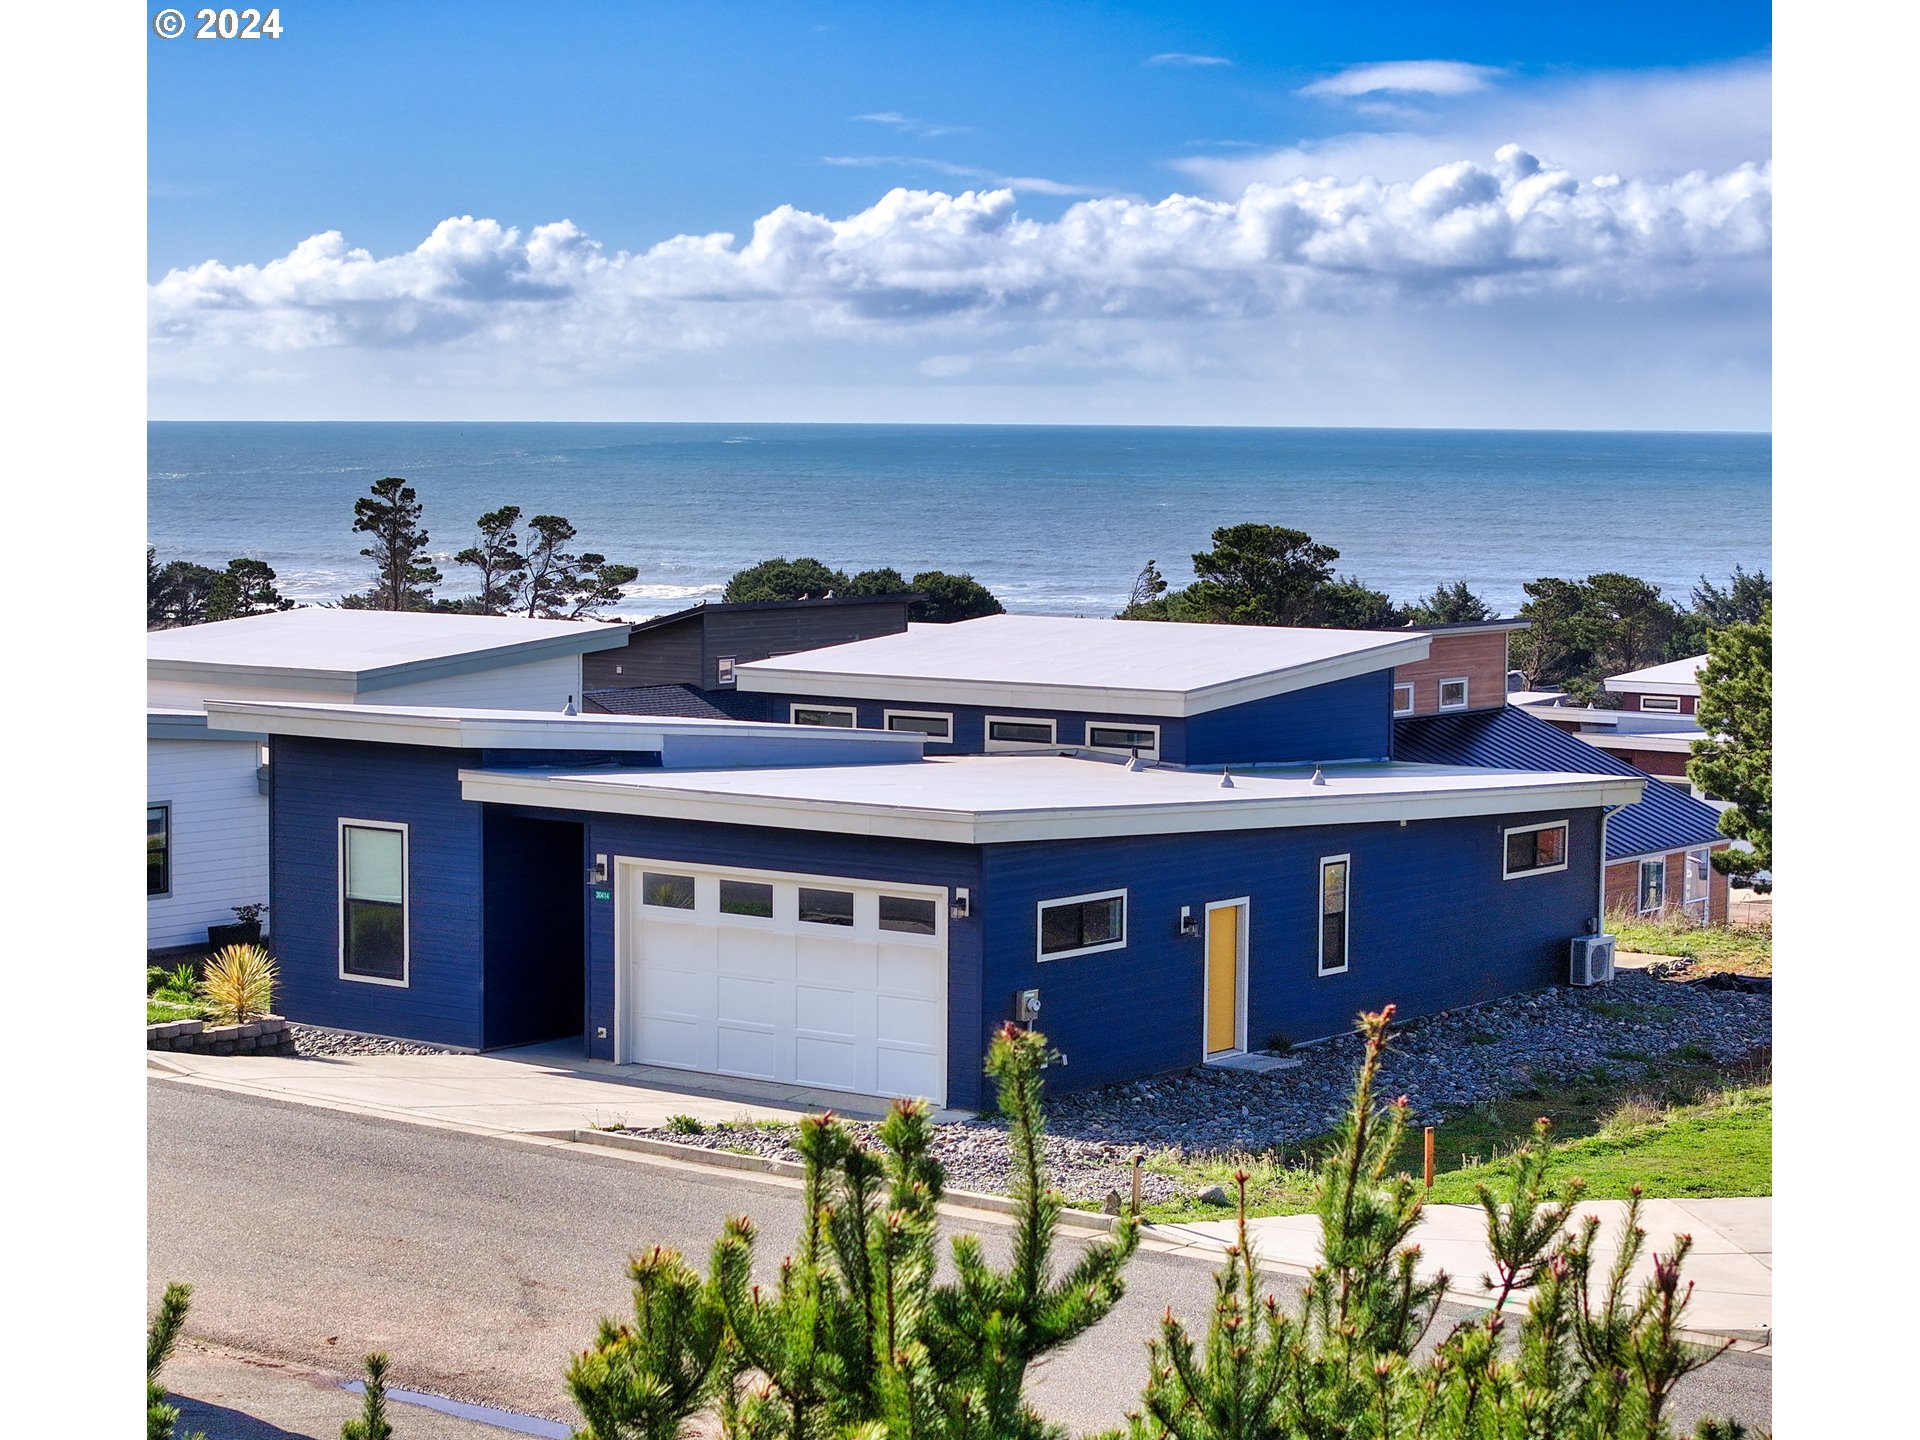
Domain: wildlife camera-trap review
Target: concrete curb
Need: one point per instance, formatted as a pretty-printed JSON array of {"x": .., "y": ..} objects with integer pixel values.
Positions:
[{"x": 728, "y": 1160}]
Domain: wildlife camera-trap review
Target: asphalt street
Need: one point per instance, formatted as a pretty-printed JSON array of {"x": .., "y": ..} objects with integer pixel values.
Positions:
[{"x": 483, "y": 1264}]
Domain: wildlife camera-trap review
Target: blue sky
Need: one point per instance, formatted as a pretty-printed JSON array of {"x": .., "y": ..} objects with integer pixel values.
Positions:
[{"x": 1034, "y": 269}]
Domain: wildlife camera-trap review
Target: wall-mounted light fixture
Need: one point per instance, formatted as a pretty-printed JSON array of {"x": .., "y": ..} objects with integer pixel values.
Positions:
[
  {"x": 962, "y": 905},
  {"x": 599, "y": 869},
  {"x": 1189, "y": 926}
]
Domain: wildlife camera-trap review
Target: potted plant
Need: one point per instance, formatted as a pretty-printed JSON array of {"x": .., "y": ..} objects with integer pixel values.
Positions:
[{"x": 245, "y": 929}]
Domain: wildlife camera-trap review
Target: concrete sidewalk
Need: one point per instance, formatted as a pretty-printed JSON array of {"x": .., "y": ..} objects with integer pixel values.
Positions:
[
  {"x": 1730, "y": 1267},
  {"x": 535, "y": 1089}
]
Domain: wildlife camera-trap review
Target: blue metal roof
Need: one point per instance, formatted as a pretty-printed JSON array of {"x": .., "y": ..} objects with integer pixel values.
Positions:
[{"x": 1665, "y": 818}]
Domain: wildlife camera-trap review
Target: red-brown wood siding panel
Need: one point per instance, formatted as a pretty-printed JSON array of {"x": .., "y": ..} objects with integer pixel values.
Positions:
[{"x": 1480, "y": 657}]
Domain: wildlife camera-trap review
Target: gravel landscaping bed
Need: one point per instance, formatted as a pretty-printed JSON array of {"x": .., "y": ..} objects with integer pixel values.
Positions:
[
  {"x": 1446, "y": 1062},
  {"x": 311, "y": 1040}
]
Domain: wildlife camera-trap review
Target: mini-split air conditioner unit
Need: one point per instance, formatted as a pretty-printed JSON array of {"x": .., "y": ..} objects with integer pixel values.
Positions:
[{"x": 1591, "y": 962}]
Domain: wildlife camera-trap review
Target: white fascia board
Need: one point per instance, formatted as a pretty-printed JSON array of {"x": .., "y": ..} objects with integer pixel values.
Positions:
[
  {"x": 967, "y": 827},
  {"x": 405, "y": 672},
  {"x": 1661, "y": 742},
  {"x": 192, "y": 725},
  {"x": 1651, "y": 687},
  {"x": 767, "y": 677},
  {"x": 530, "y": 731}
]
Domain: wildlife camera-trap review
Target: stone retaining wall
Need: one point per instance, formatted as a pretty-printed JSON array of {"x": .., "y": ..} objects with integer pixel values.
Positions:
[{"x": 269, "y": 1035}]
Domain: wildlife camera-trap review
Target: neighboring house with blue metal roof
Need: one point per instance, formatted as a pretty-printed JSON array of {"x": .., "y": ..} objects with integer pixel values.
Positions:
[
  {"x": 206, "y": 791},
  {"x": 1181, "y": 843},
  {"x": 1657, "y": 848}
]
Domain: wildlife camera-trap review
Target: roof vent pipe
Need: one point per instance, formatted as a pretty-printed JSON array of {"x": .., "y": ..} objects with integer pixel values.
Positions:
[
  {"x": 1226, "y": 780},
  {"x": 1133, "y": 761},
  {"x": 567, "y": 709},
  {"x": 1318, "y": 778}
]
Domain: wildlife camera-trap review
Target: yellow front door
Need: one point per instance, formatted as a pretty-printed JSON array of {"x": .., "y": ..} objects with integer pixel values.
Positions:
[{"x": 1223, "y": 978}]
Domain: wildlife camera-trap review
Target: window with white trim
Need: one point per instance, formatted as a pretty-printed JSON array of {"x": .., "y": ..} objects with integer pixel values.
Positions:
[
  {"x": 723, "y": 670},
  {"x": 1536, "y": 849},
  {"x": 1125, "y": 739},
  {"x": 1007, "y": 733},
  {"x": 934, "y": 724},
  {"x": 1403, "y": 699},
  {"x": 1668, "y": 704},
  {"x": 1083, "y": 924},
  {"x": 1653, "y": 884},
  {"x": 373, "y": 902},
  {"x": 1453, "y": 693},
  {"x": 159, "y": 850},
  {"x": 835, "y": 716},
  {"x": 1335, "y": 874}
]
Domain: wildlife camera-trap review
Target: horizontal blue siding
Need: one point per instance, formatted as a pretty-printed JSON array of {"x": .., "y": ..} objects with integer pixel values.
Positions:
[
  {"x": 316, "y": 783},
  {"x": 1433, "y": 926},
  {"x": 751, "y": 847},
  {"x": 1348, "y": 719}
]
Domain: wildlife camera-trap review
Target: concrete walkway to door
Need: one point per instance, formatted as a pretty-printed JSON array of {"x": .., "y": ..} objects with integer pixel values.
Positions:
[{"x": 535, "y": 1088}]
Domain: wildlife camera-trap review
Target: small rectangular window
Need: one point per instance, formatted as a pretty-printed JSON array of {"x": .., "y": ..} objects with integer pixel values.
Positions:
[
  {"x": 1670, "y": 704},
  {"x": 919, "y": 722},
  {"x": 746, "y": 897},
  {"x": 1536, "y": 849},
  {"x": 1453, "y": 693},
  {"x": 826, "y": 907},
  {"x": 907, "y": 915},
  {"x": 1083, "y": 924},
  {"x": 829, "y": 715},
  {"x": 159, "y": 850},
  {"x": 669, "y": 892},
  {"x": 1145, "y": 739},
  {"x": 1333, "y": 914},
  {"x": 1403, "y": 699},
  {"x": 1653, "y": 884},
  {"x": 1014, "y": 733},
  {"x": 373, "y": 902},
  {"x": 723, "y": 670}
]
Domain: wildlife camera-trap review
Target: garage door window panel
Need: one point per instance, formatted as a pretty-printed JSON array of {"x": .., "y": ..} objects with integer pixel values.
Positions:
[
  {"x": 906, "y": 915},
  {"x": 666, "y": 891},
  {"x": 746, "y": 897}
]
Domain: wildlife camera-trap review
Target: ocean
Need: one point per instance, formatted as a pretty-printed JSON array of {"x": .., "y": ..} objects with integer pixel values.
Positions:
[{"x": 1051, "y": 519}]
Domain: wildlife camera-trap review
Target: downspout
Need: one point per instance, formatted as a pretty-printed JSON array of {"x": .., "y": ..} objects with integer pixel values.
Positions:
[{"x": 1600, "y": 910}]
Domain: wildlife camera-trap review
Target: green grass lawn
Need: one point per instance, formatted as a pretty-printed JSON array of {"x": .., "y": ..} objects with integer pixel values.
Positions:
[
  {"x": 1711, "y": 947},
  {"x": 160, "y": 1010},
  {"x": 1690, "y": 1129}
]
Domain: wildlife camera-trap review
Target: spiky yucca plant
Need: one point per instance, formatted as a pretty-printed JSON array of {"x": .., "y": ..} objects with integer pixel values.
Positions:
[{"x": 238, "y": 984}]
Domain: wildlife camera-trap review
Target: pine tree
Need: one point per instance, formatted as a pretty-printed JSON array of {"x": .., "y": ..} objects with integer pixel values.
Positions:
[
  {"x": 163, "y": 1333},
  {"x": 1591, "y": 1360},
  {"x": 1735, "y": 761},
  {"x": 246, "y": 587},
  {"x": 404, "y": 577},
  {"x": 856, "y": 1336},
  {"x": 498, "y": 559},
  {"x": 371, "y": 1422}
]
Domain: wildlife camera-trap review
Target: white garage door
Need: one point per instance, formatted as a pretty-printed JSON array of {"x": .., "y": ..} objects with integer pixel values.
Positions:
[{"x": 800, "y": 979}]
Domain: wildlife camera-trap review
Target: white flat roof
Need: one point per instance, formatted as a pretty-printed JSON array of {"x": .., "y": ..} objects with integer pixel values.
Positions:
[
  {"x": 1676, "y": 677},
  {"x": 367, "y": 647},
  {"x": 990, "y": 799},
  {"x": 1049, "y": 661}
]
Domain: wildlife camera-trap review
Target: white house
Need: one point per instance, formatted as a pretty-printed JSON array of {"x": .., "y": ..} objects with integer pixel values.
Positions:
[{"x": 206, "y": 791}]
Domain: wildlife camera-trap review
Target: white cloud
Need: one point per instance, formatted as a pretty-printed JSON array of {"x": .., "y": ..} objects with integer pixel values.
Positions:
[
  {"x": 1651, "y": 124},
  {"x": 1361, "y": 300},
  {"x": 1185, "y": 59},
  {"x": 910, "y": 125},
  {"x": 1034, "y": 184},
  {"x": 1405, "y": 77}
]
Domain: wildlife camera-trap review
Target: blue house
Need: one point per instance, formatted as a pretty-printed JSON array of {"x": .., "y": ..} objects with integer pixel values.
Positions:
[{"x": 1195, "y": 840}]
